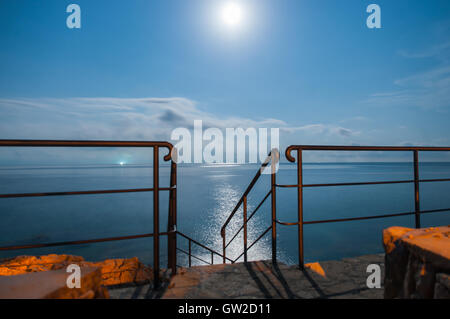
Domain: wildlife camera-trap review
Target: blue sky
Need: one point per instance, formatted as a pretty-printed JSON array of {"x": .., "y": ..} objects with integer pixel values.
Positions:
[{"x": 138, "y": 69}]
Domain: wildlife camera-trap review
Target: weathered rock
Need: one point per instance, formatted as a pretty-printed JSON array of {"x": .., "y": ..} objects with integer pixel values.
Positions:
[
  {"x": 413, "y": 259},
  {"x": 113, "y": 271},
  {"x": 442, "y": 287},
  {"x": 25, "y": 264},
  {"x": 122, "y": 271}
]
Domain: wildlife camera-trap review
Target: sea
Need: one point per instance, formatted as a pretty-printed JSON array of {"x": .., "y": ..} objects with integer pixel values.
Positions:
[{"x": 207, "y": 195}]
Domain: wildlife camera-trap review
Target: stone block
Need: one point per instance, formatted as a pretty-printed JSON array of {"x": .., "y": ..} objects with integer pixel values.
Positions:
[
  {"x": 113, "y": 271},
  {"x": 415, "y": 261}
]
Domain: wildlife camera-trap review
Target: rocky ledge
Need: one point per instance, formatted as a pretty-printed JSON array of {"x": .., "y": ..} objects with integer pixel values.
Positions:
[
  {"x": 417, "y": 262},
  {"x": 113, "y": 271}
]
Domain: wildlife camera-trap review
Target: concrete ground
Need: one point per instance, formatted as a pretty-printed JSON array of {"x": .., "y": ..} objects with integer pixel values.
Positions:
[{"x": 344, "y": 278}]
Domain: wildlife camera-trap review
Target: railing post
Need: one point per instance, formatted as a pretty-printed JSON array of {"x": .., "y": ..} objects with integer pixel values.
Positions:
[
  {"x": 212, "y": 258},
  {"x": 300, "y": 207},
  {"x": 274, "y": 206},
  {"x": 190, "y": 253},
  {"x": 172, "y": 237},
  {"x": 416, "y": 188},
  {"x": 156, "y": 216},
  {"x": 224, "y": 248},
  {"x": 245, "y": 228}
]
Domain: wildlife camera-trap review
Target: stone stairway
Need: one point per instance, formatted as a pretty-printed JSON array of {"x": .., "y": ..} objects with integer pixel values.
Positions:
[{"x": 344, "y": 278}]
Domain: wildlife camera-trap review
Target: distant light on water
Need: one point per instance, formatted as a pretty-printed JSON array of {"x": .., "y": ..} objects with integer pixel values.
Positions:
[{"x": 121, "y": 163}]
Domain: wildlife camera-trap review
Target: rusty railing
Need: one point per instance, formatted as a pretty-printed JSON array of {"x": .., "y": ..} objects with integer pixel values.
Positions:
[
  {"x": 171, "y": 232},
  {"x": 272, "y": 159},
  {"x": 156, "y": 189},
  {"x": 300, "y": 185}
]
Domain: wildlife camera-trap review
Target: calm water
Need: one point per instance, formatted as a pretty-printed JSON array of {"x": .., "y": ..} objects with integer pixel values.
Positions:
[{"x": 207, "y": 194}]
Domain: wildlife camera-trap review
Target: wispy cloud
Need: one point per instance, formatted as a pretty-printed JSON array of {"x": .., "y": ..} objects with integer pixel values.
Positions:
[
  {"x": 322, "y": 129},
  {"x": 127, "y": 118},
  {"x": 133, "y": 119},
  {"x": 428, "y": 89},
  {"x": 440, "y": 51},
  {"x": 142, "y": 119}
]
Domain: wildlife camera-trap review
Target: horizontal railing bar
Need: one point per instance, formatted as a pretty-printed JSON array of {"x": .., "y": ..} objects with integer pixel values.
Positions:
[
  {"x": 358, "y": 218},
  {"x": 298, "y": 148},
  {"x": 434, "y": 180},
  {"x": 248, "y": 248},
  {"x": 365, "y": 183},
  {"x": 251, "y": 215},
  {"x": 347, "y": 184},
  {"x": 366, "y": 217},
  {"x": 435, "y": 210},
  {"x": 183, "y": 251},
  {"x": 79, "y": 143},
  {"x": 345, "y": 219},
  {"x": 93, "y": 143},
  {"x": 367, "y": 148},
  {"x": 79, "y": 242},
  {"x": 112, "y": 191},
  {"x": 287, "y": 223},
  {"x": 201, "y": 245}
]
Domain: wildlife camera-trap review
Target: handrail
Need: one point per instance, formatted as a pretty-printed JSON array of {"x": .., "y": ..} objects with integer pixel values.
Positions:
[
  {"x": 359, "y": 148},
  {"x": 247, "y": 191},
  {"x": 172, "y": 231},
  {"x": 299, "y": 185},
  {"x": 367, "y": 183},
  {"x": 417, "y": 212},
  {"x": 108, "y": 191},
  {"x": 90, "y": 143},
  {"x": 190, "y": 254},
  {"x": 252, "y": 244},
  {"x": 273, "y": 158},
  {"x": 155, "y": 189},
  {"x": 250, "y": 217},
  {"x": 77, "y": 242}
]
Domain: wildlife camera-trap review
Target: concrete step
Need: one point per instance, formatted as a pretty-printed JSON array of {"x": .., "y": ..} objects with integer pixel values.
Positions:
[{"x": 344, "y": 278}]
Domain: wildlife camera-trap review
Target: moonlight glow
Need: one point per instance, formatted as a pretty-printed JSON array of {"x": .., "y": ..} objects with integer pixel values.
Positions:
[{"x": 232, "y": 14}]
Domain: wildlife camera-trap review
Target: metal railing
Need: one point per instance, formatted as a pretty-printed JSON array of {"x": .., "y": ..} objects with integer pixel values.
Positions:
[
  {"x": 190, "y": 254},
  {"x": 273, "y": 158},
  {"x": 156, "y": 189},
  {"x": 300, "y": 185},
  {"x": 172, "y": 231}
]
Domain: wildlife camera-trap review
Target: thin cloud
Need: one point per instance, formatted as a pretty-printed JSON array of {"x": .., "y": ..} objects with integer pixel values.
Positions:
[
  {"x": 321, "y": 129},
  {"x": 428, "y": 89},
  {"x": 125, "y": 118},
  {"x": 440, "y": 51}
]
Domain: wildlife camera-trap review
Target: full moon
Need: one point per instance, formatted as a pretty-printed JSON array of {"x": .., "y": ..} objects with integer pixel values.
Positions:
[{"x": 232, "y": 14}]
